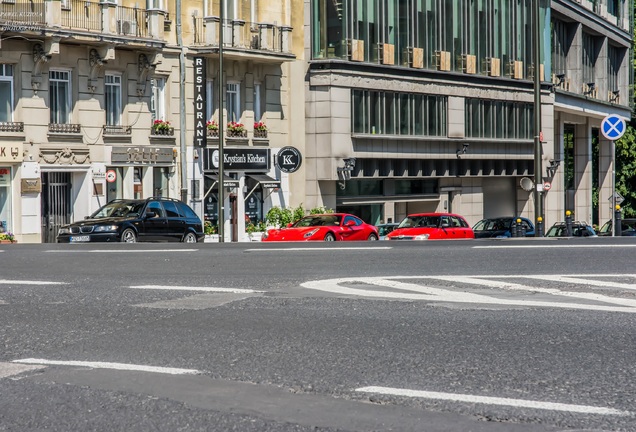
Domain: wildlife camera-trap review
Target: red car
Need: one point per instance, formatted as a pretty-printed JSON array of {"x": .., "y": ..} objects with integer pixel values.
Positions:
[
  {"x": 432, "y": 226},
  {"x": 324, "y": 227}
]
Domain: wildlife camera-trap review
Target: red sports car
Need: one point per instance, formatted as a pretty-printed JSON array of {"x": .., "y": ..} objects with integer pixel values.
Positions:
[
  {"x": 432, "y": 226},
  {"x": 324, "y": 227}
]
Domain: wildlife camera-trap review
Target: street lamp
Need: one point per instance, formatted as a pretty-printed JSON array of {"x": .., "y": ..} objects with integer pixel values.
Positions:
[
  {"x": 221, "y": 215},
  {"x": 538, "y": 195}
]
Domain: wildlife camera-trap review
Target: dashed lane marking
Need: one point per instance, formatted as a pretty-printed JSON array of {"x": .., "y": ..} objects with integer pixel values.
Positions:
[
  {"x": 318, "y": 249},
  {"x": 193, "y": 288},
  {"x": 107, "y": 365},
  {"x": 28, "y": 282},
  {"x": 121, "y": 250},
  {"x": 410, "y": 291},
  {"x": 520, "y": 403},
  {"x": 551, "y": 245}
]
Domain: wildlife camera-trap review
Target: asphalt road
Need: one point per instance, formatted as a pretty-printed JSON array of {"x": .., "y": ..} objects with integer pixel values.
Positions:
[{"x": 510, "y": 335}]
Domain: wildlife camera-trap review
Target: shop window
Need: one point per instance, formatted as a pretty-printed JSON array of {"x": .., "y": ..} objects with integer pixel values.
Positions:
[
  {"x": 112, "y": 97},
  {"x": 60, "y": 96},
  {"x": 6, "y": 93},
  {"x": 160, "y": 180},
  {"x": 5, "y": 199},
  {"x": 138, "y": 184}
]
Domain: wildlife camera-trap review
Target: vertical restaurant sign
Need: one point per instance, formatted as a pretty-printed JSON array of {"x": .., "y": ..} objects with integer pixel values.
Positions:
[{"x": 200, "y": 128}]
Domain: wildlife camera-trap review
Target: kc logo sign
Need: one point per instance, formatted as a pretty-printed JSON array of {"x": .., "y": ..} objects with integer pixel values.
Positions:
[{"x": 288, "y": 159}]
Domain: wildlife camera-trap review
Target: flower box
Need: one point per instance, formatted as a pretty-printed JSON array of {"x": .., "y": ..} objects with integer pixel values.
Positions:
[{"x": 260, "y": 133}]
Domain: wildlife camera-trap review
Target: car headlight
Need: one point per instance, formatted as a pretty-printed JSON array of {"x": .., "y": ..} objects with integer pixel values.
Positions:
[
  {"x": 105, "y": 228},
  {"x": 421, "y": 237},
  {"x": 310, "y": 233},
  {"x": 63, "y": 231}
]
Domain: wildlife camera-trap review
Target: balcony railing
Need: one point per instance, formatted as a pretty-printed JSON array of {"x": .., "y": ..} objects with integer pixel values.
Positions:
[
  {"x": 117, "y": 130},
  {"x": 11, "y": 127},
  {"x": 82, "y": 15},
  {"x": 132, "y": 21},
  {"x": 21, "y": 13},
  {"x": 241, "y": 34},
  {"x": 65, "y": 128}
]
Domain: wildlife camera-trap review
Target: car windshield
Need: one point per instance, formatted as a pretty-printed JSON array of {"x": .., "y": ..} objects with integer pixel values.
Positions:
[
  {"x": 384, "y": 230},
  {"x": 420, "y": 221},
  {"x": 606, "y": 228},
  {"x": 322, "y": 220},
  {"x": 118, "y": 209},
  {"x": 556, "y": 231},
  {"x": 492, "y": 225}
]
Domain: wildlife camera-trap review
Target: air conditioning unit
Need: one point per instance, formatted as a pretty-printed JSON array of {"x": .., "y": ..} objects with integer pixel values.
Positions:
[
  {"x": 468, "y": 63},
  {"x": 492, "y": 66},
  {"x": 514, "y": 69},
  {"x": 126, "y": 27},
  {"x": 356, "y": 49},
  {"x": 442, "y": 60},
  {"x": 416, "y": 57}
]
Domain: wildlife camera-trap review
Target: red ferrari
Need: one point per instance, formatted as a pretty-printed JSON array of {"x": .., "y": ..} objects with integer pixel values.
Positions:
[
  {"x": 324, "y": 227},
  {"x": 432, "y": 226}
]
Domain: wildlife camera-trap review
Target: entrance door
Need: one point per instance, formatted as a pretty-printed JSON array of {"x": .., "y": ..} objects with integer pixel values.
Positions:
[{"x": 56, "y": 203}]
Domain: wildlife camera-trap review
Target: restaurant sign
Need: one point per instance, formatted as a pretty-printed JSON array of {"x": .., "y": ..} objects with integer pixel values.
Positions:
[{"x": 238, "y": 159}]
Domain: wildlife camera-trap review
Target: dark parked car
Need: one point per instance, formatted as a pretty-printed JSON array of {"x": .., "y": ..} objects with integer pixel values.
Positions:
[
  {"x": 579, "y": 229},
  {"x": 628, "y": 226},
  {"x": 131, "y": 220},
  {"x": 501, "y": 227}
]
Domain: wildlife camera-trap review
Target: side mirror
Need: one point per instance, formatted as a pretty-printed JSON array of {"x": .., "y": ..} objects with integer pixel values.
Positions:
[
  {"x": 150, "y": 214},
  {"x": 445, "y": 225},
  {"x": 289, "y": 225},
  {"x": 350, "y": 223}
]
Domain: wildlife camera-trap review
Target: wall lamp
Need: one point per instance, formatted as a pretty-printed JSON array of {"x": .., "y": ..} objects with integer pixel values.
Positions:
[
  {"x": 462, "y": 151},
  {"x": 614, "y": 95},
  {"x": 553, "y": 167},
  {"x": 344, "y": 172},
  {"x": 590, "y": 88},
  {"x": 560, "y": 79}
]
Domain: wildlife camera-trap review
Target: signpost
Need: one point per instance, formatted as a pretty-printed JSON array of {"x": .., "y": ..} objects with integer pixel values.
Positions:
[{"x": 613, "y": 127}]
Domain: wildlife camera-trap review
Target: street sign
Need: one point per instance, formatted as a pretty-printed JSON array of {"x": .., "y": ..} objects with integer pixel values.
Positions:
[
  {"x": 613, "y": 127},
  {"x": 618, "y": 198},
  {"x": 547, "y": 186},
  {"x": 111, "y": 176}
]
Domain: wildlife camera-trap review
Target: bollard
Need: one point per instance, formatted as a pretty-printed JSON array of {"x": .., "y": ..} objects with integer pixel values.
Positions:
[
  {"x": 568, "y": 223},
  {"x": 521, "y": 228},
  {"x": 538, "y": 230},
  {"x": 513, "y": 228},
  {"x": 618, "y": 225}
]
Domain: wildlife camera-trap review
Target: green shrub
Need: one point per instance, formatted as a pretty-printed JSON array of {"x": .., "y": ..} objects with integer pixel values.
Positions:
[{"x": 281, "y": 217}]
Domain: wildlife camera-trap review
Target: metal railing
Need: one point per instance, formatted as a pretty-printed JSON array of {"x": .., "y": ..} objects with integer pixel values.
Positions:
[
  {"x": 21, "y": 12},
  {"x": 82, "y": 14},
  {"x": 132, "y": 21},
  {"x": 240, "y": 34}
]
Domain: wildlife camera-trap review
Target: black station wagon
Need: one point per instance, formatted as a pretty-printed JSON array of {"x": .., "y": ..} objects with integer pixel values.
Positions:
[{"x": 131, "y": 220}]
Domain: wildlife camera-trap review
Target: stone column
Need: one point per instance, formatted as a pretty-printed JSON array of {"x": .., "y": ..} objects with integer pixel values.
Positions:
[
  {"x": 604, "y": 179},
  {"x": 583, "y": 173},
  {"x": 212, "y": 26},
  {"x": 156, "y": 19},
  {"x": 285, "y": 39},
  {"x": 53, "y": 13}
]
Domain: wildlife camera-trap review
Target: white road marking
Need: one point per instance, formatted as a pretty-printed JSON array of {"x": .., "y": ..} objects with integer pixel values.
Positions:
[
  {"x": 28, "y": 282},
  {"x": 581, "y": 281},
  {"x": 106, "y": 365},
  {"x": 121, "y": 250},
  {"x": 427, "y": 293},
  {"x": 521, "y": 403},
  {"x": 553, "y": 246},
  {"x": 193, "y": 288},
  {"x": 298, "y": 249},
  {"x": 11, "y": 369}
]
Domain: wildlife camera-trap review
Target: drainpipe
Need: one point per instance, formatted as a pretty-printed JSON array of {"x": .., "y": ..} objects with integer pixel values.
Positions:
[{"x": 182, "y": 110}]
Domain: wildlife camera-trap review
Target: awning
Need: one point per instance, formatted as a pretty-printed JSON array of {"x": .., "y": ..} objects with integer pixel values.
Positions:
[
  {"x": 228, "y": 182},
  {"x": 266, "y": 181}
]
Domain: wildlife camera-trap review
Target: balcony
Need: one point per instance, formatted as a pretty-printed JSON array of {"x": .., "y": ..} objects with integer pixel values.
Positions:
[
  {"x": 65, "y": 128},
  {"x": 11, "y": 127},
  {"x": 117, "y": 130},
  {"x": 243, "y": 35},
  {"x": 22, "y": 15}
]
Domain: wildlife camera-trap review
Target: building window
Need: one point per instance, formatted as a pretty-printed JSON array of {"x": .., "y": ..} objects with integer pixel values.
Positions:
[
  {"x": 258, "y": 106},
  {"x": 160, "y": 178},
  {"x": 590, "y": 54},
  {"x": 561, "y": 41},
  {"x": 233, "y": 102},
  {"x": 158, "y": 99},
  {"x": 60, "y": 96},
  {"x": 112, "y": 96},
  {"x": 138, "y": 183},
  {"x": 388, "y": 113},
  {"x": 498, "y": 119},
  {"x": 615, "y": 59},
  {"x": 209, "y": 102},
  {"x": 6, "y": 93},
  {"x": 5, "y": 199}
]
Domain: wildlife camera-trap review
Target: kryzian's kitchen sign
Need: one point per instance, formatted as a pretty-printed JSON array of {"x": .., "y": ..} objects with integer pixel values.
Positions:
[{"x": 243, "y": 159}]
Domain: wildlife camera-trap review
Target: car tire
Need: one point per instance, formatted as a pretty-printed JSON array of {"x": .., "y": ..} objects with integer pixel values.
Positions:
[
  {"x": 189, "y": 238},
  {"x": 330, "y": 237},
  {"x": 129, "y": 236},
  {"x": 372, "y": 237}
]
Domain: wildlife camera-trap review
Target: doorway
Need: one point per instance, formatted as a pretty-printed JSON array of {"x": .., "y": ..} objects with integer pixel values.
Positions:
[{"x": 56, "y": 204}]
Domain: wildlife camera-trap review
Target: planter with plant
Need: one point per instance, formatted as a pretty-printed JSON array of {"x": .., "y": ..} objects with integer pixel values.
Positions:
[
  {"x": 162, "y": 127},
  {"x": 212, "y": 128},
  {"x": 260, "y": 130},
  {"x": 237, "y": 130},
  {"x": 7, "y": 237}
]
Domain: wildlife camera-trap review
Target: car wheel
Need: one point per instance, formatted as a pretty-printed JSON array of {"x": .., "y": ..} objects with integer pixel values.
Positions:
[
  {"x": 372, "y": 237},
  {"x": 129, "y": 236},
  {"x": 189, "y": 238},
  {"x": 330, "y": 237}
]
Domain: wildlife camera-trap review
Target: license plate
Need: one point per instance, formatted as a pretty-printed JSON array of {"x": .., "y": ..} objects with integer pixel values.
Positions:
[{"x": 77, "y": 239}]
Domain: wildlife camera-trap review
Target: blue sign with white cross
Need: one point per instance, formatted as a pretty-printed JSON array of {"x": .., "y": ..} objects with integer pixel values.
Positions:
[{"x": 613, "y": 127}]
